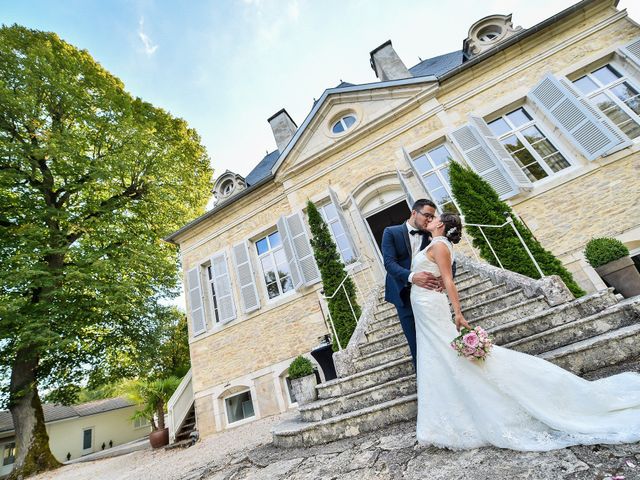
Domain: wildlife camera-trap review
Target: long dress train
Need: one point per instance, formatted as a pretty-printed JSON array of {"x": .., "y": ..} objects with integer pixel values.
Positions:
[{"x": 511, "y": 400}]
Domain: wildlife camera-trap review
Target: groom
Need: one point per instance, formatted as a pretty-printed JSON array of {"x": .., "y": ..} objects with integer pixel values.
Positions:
[{"x": 399, "y": 244}]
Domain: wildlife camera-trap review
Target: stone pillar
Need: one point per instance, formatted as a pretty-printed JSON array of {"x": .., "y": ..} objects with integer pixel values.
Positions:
[
  {"x": 387, "y": 64},
  {"x": 284, "y": 128}
]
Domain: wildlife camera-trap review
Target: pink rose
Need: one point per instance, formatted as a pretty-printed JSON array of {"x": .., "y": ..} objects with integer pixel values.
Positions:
[
  {"x": 471, "y": 339},
  {"x": 468, "y": 351}
]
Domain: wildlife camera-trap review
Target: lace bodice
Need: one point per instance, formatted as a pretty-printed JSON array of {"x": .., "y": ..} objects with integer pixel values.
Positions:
[{"x": 421, "y": 262}]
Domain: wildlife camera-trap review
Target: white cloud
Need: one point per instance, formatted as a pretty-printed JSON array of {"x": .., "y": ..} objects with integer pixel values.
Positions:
[{"x": 149, "y": 47}]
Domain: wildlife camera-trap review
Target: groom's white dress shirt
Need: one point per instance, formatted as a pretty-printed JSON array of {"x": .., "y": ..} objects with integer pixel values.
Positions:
[{"x": 416, "y": 241}]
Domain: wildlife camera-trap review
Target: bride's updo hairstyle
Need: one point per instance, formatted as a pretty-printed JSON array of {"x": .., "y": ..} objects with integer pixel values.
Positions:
[{"x": 452, "y": 226}]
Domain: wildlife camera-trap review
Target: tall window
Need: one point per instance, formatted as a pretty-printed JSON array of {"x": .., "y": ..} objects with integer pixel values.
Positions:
[
  {"x": 239, "y": 407},
  {"x": 612, "y": 93},
  {"x": 433, "y": 167},
  {"x": 9, "y": 454},
  {"x": 530, "y": 148},
  {"x": 212, "y": 296},
  {"x": 275, "y": 269},
  {"x": 330, "y": 215}
]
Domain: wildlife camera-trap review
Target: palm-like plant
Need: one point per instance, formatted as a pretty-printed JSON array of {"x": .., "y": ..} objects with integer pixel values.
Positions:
[{"x": 151, "y": 396}]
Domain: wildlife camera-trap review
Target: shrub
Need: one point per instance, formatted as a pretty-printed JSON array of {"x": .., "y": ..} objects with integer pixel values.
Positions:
[
  {"x": 600, "y": 251},
  {"x": 480, "y": 204},
  {"x": 333, "y": 272},
  {"x": 300, "y": 367}
]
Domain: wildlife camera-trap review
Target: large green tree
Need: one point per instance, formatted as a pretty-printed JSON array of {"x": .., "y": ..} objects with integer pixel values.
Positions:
[
  {"x": 333, "y": 272},
  {"x": 91, "y": 179},
  {"x": 481, "y": 205}
]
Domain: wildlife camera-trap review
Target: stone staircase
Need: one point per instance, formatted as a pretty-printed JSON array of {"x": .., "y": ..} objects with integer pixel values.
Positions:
[{"x": 376, "y": 381}]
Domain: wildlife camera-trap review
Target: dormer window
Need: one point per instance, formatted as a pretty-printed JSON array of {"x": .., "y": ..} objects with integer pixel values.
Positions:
[
  {"x": 489, "y": 33},
  {"x": 227, "y": 188},
  {"x": 344, "y": 124}
]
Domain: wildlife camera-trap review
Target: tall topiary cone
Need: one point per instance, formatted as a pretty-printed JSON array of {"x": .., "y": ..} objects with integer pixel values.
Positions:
[
  {"x": 480, "y": 204},
  {"x": 333, "y": 272}
]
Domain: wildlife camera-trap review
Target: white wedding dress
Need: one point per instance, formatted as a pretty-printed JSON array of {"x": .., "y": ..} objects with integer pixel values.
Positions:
[{"x": 511, "y": 400}]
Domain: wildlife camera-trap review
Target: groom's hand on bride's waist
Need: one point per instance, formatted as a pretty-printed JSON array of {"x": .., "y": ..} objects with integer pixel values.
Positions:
[{"x": 427, "y": 280}]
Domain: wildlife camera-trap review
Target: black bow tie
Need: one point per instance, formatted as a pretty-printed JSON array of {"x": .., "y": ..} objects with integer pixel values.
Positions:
[{"x": 416, "y": 232}]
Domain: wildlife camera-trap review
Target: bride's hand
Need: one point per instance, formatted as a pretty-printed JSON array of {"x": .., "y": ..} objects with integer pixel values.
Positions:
[{"x": 461, "y": 322}]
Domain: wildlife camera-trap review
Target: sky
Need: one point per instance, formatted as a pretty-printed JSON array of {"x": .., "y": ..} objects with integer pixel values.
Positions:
[{"x": 226, "y": 66}]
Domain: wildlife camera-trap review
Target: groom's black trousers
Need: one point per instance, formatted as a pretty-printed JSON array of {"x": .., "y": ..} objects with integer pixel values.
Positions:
[{"x": 405, "y": 313}]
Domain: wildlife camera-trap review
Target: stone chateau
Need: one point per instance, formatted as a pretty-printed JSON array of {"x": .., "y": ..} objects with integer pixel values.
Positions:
[{"x": 549, "y": 114}]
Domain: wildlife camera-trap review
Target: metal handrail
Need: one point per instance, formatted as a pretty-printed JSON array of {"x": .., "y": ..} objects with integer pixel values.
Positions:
[
  {"x": 342, "y": 286},
  {"x": 509, "y": 221}
]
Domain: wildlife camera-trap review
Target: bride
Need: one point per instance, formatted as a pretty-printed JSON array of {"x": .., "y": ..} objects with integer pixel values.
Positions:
[{"x": 511, "y": 400}]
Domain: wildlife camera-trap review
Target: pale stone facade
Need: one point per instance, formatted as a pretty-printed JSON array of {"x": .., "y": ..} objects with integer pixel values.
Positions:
[{"x": 359, "y": 148}]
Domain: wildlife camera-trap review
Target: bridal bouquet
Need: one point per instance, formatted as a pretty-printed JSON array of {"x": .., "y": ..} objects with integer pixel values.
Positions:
[{"x": 473, "y": 344}]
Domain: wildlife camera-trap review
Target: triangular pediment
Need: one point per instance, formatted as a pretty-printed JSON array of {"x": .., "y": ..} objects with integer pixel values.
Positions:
[{"x": 370, "y": 108}]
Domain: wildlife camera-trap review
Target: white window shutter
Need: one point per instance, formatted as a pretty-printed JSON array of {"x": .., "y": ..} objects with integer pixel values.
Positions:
[
  {"x": 621, "y": 139},
  {"x": 222, "y": 286},
  {"x": 336, "y": 203},
  {"x": 483, "y": 160},
  {"x": 289, "y": 253},
  {"x": 505, "y": 158},
  {"x": 570, "y": 115},
  {"x": 302, "y": 248},
  {"x": 194, "y": 293},
  {"x": 408, "y": 195},
  {"x": 632, "y": 52},
  {"x": 244, "y": 272}
]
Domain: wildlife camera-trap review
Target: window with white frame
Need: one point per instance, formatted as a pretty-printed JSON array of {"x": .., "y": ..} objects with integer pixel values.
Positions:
[
  {"x": 140, "y": 422},
  {"x": 9, "y": 454},
  {"x": 612, "y": 92},
  {"x": 213, "y": 301},
  {"x": 273, "y": 262},
  {"x": 528, "y": 145},
  {"x": 330, "y": 216},
  {"x": 433, "y": 167},
  {"x": 239, "y": 407},
  {"x": 292, "y": 396}
]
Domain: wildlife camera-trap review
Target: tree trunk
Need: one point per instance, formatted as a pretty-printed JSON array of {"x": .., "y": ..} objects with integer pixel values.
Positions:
[
  {"x": 160, "y": 413},
  {"x": 32, "y": 441}
]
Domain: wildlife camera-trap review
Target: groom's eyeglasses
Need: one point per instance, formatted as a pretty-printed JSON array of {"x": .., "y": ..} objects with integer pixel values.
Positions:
[{"x": 428, "y": 216}]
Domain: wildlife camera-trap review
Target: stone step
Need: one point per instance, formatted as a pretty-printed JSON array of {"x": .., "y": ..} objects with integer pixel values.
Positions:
[
  {"x": 380, "y": 357},
  {"x": 469, "y": 299},
  {"x": 495, "y": 304},
  {"x": 391, "y": 326},
  {"x": 332, "y": 407},
  {"x": 479, "y": 285},
  {"x": 385, "y": 312},
  {"x": 543, "y": 320},
  {"x": 509, "y": 313},
  {"x": 574, "y": 331},
  {"x": 366, "y": 378},
  {"x": 394, "y": 338},
  {"x": 610, "y": 348},
  {"x": 467, "y": 280},
  {"x": 296, "y": 433}
]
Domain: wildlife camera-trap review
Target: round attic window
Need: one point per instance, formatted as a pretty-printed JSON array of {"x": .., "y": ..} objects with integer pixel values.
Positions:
[
  {"x": 489, "y": 33},
  {"x": 344, "y": 124},
  {"x": 227, "y": 187}
]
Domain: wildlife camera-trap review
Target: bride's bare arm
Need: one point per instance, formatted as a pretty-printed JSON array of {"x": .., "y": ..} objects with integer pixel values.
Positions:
[{"x": 441, "y": 255}]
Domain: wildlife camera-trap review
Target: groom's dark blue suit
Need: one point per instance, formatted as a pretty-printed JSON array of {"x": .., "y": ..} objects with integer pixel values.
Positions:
[{"x": 396, "y": 253}]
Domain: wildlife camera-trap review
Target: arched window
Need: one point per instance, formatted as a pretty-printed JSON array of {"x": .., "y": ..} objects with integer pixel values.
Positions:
[{"x": 344, "y": 124}]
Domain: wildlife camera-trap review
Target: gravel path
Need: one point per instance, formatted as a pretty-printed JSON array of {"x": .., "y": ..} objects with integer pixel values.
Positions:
[
  {"x": 246, "y": 453},
  {"x": 171, "y": 464}
]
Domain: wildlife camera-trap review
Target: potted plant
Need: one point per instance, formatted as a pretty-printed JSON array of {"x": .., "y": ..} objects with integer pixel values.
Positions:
[
  {"x": 611, "y": 260},
  {"x": 151, "y": 396},
  {"x": 303, "y": 380}
]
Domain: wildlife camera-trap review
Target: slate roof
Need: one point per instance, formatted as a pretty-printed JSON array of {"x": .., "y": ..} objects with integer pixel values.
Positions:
[
  {"x": 53, "y": 412},
  {"x": 437, "y": 66},
  {"x": 262, "y": 169}
]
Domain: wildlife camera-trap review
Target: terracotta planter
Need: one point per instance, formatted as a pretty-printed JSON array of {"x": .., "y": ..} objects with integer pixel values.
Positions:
[
  {"x": 622, "y": 275},
  {"x": 159, "y": 438},
  {"x": 304, "y": 389}
]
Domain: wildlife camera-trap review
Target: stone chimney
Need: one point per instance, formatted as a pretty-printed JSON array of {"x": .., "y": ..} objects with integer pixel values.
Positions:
[
  {"x": 387, "y": 64},
  {"x": 284, "y": 128}
]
